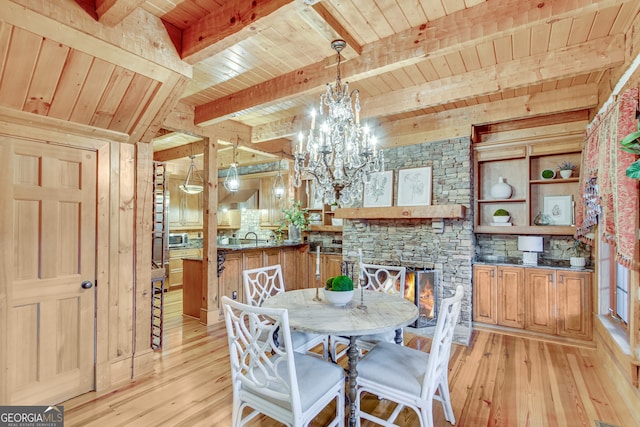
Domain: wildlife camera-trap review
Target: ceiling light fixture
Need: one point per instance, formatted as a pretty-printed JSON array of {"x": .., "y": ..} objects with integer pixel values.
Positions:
[
  {"x": 340, "y": 153},
  {"x": 189, "y": 187},
  {"x": 278, "y": 182},
  {"x": 232, "y": 181}
]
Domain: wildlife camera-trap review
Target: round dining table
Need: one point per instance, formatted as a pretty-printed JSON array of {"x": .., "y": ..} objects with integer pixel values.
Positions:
[{"x": 369, "y": 312}]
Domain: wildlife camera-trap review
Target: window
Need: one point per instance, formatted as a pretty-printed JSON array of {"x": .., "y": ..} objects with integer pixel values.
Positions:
[{"x": 614, "y": 286}]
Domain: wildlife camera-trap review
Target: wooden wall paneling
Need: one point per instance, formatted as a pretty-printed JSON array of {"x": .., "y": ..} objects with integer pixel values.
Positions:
[
  {"x": 92, "y": 90},
  {"x": 18, "y": 67},
  {"x": 144, "y": 206},
  {"x": 126, "y": 226},
  {"x": 114, "y": 92},
  {"x": 103, "y": 268},
  {"x": 70, "y": 84},
  {"x": 46, "y": 76},
  {"x": 6, "y": 262}
]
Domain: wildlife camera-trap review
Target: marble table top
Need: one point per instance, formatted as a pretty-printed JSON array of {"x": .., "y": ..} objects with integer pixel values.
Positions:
[{"x": 384, "y": 312}]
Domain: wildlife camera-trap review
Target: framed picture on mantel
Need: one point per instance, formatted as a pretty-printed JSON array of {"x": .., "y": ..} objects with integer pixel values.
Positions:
[
  {"x": 379, "y": 191},
  {"x": 414, "y": 187}
]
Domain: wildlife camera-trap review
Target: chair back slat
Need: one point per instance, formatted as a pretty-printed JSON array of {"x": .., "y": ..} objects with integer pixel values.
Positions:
[
  {"x": 438, "y": 363},
  {"x": 262, "y": 283},
  {"x": 384, "y": 278}
]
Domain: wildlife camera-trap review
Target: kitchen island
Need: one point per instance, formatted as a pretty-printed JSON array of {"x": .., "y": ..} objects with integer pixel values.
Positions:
[{"x": 232, "y": 259}]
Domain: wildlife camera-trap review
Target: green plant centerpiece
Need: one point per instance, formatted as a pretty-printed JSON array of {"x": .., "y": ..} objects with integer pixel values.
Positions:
[
  {"x": 631, "y": 144},
  {"x": 294, "y": 219},
  {"x": 339, "y": 290}
]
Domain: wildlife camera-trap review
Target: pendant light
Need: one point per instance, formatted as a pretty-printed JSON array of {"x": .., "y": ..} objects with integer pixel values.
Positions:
[
  {"x": 190, "y": 186},
  {"x": 232, "y": 182},
  {"x": 278, "y": 182}
]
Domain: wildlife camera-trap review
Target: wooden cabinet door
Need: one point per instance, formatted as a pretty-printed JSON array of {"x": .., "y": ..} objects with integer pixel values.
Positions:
[
  {"x": 253, "y": 259},
  {"x": 540, "y": 300},
  {"x": 573, "y": 295},
  {"x": 191, "y": 209},
  {"x": 511, "y": 296},
  {"x": 485, "y": 294},
  {"x": 175, "y": 217},
  {"x": 271, "y": 256},
  {"x": 230, "y": 281},
  {"x": 290, "y": 258}
]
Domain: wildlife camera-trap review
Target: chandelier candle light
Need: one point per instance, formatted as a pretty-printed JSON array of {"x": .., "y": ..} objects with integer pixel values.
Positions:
[
  {"x": 189, "y": 186},
  {"x": 340, "y": 153}
]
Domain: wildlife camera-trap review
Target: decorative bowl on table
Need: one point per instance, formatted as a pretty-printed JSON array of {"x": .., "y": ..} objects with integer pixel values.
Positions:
[{"x": 338, "y": 297}]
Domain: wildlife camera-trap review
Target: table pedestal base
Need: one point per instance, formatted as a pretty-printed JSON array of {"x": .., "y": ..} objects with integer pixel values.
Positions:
[{"x": 352, "y": 353}]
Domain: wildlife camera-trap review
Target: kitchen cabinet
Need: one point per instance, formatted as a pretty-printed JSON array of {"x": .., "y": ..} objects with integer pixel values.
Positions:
[
  {"x": 270, "y": 206},
  {"x": 185, "y": 210},
  {"x": 192, "y": 287},
  {"x": 330, "y": 266},
  {"x": 520, "y": 164},
  {"x": 541, "y": 300},
  {"x": 573, "y": 300},
  {"x": 175, "y": 265},
  {"x": 485, "y": 288},
  {"x": 290, "y": 258},
  {"x": 511, "y": 297},
  {"x": 228, "y": 219}
]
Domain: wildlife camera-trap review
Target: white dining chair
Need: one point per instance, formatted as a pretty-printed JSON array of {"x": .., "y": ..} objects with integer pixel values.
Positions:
[
  {"x": 379, "y": 278},
  {"x": 264, "y": 282},
  {"x": 267, "y": 378},
  {"x": 409, "y": 377}
]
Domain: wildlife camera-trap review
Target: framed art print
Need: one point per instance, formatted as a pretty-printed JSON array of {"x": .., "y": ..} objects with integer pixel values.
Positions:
[
  {"x": 414, "y": 187},
  {"x": 379, "y": 191},
  {"x": 559, "y": 209}
]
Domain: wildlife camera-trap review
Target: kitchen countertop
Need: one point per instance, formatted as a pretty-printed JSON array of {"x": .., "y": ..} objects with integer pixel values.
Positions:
[
  {"x": 559, "y": 264},
  {"x": 259, "y": 245}
]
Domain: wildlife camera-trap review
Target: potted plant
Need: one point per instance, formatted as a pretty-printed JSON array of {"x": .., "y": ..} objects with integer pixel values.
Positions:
[
  {"x": 501, "y": 215},
  {"x": 577, "y": 250},
  {"x": 631, "y": 144},
  {"x": 566, "y": 168},
  {"x": 294, "y": 219}
]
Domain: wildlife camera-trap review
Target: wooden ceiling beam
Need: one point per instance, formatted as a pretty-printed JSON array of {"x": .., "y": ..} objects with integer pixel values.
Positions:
[
  {"x": 234, "y": 22},
  {"x": 481, "y": 23},
  {"x": 113, "y": 12},
  {"x": 179, "y": 152},
  {"x": 458, "y": 122},
  {"x": 592, "y": 56},
  {"x": 327, "y": 17}
]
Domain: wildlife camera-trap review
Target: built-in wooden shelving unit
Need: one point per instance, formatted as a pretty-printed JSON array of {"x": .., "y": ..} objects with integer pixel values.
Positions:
[{"x": 403, "y": 212}]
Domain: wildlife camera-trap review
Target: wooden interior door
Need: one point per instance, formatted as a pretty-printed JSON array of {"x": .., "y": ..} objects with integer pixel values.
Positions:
[{"x": 48, "y": 206}]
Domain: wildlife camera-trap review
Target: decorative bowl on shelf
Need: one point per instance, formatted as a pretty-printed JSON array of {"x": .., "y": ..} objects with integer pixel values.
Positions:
[
  {"x": 338, "y": 297},
  {"x": 501, "y": 218},
  {"x": 548, "y": 174}
]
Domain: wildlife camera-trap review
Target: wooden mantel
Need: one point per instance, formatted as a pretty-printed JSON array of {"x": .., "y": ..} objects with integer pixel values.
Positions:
[{"x": 403, "y": 212}]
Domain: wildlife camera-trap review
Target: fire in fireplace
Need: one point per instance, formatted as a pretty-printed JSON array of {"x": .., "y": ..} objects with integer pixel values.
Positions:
[{"x": 420, "y": 287}]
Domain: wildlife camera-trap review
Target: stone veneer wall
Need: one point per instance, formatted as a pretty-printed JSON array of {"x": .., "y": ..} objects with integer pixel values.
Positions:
[
  {"x": 504, "y": 245},
  {"x": 414, "y": 243}
]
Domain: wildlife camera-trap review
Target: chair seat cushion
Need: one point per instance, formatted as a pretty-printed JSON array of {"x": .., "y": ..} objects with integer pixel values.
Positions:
[
  {"x": 315, "y": 378},
  {"x": 301, "y": 339},
  {"x": 394, "y": 366},
  {"x": 381, "y": 337}
]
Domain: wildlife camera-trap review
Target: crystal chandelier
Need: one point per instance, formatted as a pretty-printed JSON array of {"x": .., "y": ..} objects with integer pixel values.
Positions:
[
  {"x": 189, "y": 187},
  {"x": 232, "y": 181},
  {"x": 339, "y": 153}
]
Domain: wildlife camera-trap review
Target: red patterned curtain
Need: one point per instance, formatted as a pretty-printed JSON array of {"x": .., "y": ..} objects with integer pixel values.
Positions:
[{"x": 604, "y": 186}]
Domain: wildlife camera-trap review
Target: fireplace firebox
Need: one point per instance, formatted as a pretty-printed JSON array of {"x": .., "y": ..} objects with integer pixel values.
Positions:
[{"x": 420, "y": 287}]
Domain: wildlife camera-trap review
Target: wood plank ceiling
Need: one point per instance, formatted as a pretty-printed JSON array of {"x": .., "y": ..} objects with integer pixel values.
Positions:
[{"x": 425, "y": 69}]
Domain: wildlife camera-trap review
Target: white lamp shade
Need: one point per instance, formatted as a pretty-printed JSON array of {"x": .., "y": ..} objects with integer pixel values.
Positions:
[{"x": 530, "y": 243}]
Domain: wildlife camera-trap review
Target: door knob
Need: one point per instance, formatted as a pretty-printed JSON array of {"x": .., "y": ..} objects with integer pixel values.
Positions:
[{"x": 86, "y": 284}]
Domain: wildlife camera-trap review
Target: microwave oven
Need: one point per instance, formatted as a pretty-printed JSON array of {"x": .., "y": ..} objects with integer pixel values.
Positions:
[{"x": 178, "y": 240}]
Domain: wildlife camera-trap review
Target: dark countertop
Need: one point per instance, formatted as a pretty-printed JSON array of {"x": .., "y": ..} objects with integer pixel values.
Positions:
[
  {"x": 254, "y": 246},
  {"x": 559, "y": 264}
]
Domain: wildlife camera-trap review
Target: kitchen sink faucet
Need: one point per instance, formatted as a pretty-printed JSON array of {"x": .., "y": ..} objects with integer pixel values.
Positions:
[{"x": 254, "y": 233}]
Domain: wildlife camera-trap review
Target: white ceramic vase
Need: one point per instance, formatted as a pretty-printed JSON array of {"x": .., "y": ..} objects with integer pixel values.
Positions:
[
  {"x": 500, "y": 190},
  {"x": 566, "y": 173}
]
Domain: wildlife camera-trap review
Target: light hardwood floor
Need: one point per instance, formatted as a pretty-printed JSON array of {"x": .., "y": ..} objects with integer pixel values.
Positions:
[{"x": 498, "y": 380}]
